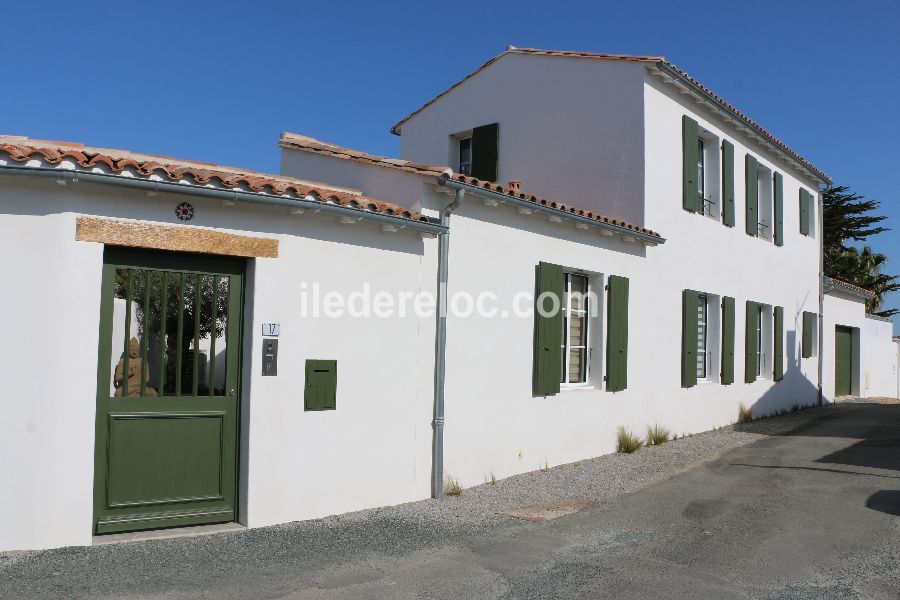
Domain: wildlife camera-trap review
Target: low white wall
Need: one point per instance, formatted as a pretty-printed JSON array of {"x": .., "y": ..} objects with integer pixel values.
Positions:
[
  {"x": 879, "y": 360},
  {"x": 50, "y": 323},
  {"x": 373, "y": 450}
]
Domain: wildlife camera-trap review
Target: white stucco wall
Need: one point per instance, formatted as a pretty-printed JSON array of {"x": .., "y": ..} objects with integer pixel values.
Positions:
[
  {"x": 373, "y": 450},
  {"x": 570, "y": 129},
  {"x": 880, "y": 359},
  {"x": 702, "y": 254},
  {"x": 495, "y": 425}
]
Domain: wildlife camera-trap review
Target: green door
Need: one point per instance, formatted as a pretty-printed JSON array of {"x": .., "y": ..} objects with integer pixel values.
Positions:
[
  {"x": 843, "y": 360},
  {"x": 168, "y": 390}
]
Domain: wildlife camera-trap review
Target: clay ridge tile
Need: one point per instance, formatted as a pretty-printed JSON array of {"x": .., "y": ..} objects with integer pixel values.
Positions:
[{"x": 22, "y": 149}]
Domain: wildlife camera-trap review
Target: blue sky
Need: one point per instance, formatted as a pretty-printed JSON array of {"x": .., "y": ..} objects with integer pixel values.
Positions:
[{"x": 218, "y": 81}]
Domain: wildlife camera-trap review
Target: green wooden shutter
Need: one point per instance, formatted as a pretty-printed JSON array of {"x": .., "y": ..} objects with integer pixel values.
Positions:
[
  {"x": 485, "y": 152},
  {"x": 727, "y": 183},
  {"x": 778, "y": 354},
  {"x": 617, "y": 334},
  {"x": 689, "y": 329},
  {"x": 809, "y": 325},
  {"x": 778, "y": 197},
  {"x": 727, "y": 340},
  {"x": 752, "y": 187},
  {"x": 548, "y": 329},
  {"x": 750, "y": 342},
  {"x": 691, "y": 188},
  {"x": 805, "y": 211},
  {"x": 321, "y": 385}
]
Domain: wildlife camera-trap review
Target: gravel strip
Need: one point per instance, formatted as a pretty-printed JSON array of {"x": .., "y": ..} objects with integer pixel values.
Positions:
[{"x": 599, "y": 479}]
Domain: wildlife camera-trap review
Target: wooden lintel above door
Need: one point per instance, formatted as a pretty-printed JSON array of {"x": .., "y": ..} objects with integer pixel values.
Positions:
[{"x": 178, "y": 238}]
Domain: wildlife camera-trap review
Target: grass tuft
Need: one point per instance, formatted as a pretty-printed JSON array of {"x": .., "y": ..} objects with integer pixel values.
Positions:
[
  {"x": 453, "y": 488},
  {"x": 493, "y": 478},
  {"x": 657, "y": 435},
  {"x": 627, "y": 442},
  {"x": 745, "y": 415}
]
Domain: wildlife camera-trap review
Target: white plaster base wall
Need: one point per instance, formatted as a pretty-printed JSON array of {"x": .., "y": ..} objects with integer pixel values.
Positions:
[
  {"x": 49, "y": 318},
  {"x": 372, "y": 451}
]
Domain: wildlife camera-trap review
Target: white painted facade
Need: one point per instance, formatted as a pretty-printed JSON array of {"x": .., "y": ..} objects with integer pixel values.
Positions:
[{"x": 600, "y": 135}]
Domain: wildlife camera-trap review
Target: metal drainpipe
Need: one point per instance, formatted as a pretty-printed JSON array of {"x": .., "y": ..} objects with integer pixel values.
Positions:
[
  {"x": 821, "y": 344},
  {"x": 440, "y": 347}
]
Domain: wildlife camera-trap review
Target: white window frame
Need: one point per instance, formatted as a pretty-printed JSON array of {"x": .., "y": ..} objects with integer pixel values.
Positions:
[
  {"x": 709, "y": 178},
  {"x": 585, "y": 313},
  {"x": 459, "y": 158},
  {"x": 760, "y": 355},
  {"x": 765, "y": 202},
  {"x": 703, "y": 337}
]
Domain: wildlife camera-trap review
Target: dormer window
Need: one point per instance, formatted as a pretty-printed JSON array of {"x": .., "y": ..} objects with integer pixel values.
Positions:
[
  {"x": 477, "y": 152},
  {"x": 465, "y": 156}
]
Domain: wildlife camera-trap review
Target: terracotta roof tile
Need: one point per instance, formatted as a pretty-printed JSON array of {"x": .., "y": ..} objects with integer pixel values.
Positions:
[
  {"x": 850, "y": 287},
  {"x": 308, "y": 144},
  {"x": 656, "y": 61},
  {"x": 22, "y": 149},
  {"x": 515, "y": 193}
]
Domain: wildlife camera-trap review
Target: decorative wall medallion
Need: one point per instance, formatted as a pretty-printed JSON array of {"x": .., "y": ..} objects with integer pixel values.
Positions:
[{"x": 184, "y": 211}]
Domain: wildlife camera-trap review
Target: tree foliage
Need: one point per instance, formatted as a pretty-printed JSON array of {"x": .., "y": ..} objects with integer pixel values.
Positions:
[{"x": 850, "y": 217}]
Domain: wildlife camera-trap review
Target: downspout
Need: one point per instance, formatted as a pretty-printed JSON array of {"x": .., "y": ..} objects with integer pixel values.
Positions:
[
  {"x": 440, "y": 347},
  {"x": 821, "y": 344}
]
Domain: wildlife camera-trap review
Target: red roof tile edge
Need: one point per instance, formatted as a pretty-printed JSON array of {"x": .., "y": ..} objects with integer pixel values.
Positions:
[
  {"x": 508, "y": 191},
  {"x": 308, "y": 144},
  {"x": 850, "y": 287},
  {"x": 116, "y": 161},
  {"x": 652, "y": 60}
]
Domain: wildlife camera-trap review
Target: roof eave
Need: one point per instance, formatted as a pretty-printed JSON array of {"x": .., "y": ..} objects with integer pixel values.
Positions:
[
  {"x": 564, "y": 214},
  {"x": 668, "y": 69}
]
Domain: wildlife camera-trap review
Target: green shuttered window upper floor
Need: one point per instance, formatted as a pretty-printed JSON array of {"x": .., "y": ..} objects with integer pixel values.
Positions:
[
  {"x": 727, "y": 183},
  {"x": 690, "y": 155},
  {"x": 752, "y": 195}
]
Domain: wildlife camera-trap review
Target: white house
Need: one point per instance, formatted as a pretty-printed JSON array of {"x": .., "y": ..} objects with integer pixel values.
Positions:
[{"x": 236, "y": 346}]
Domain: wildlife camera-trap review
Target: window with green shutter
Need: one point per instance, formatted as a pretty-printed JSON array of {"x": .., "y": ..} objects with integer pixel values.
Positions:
[
  {"x": 727, "y": 183},
  {"x": 751, "y": 342},
  {"x": 689, "y": 328},
  {"x": 617, "y": 334},
  {"x": 690, "y": 155},
  {"x": 321, "y": 385},
  {"x": 727, "y": 340},
  {"x": 778, "y": 352},
  {"x": 485, "y": 151},
  {"x": 548, "y": 329},
  {"x": 778, "y": 188},
  {"x": 752, "y": 196},
  {"x": 805, "y": 212},
  {"x": 808, "y": 335}
]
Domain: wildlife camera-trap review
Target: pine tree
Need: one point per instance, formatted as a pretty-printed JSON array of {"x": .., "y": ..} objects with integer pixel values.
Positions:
[{"x": 848, "y": 217}]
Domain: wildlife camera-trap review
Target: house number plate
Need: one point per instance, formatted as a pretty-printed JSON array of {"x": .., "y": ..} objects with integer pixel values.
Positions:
[{"x": 271, "y": 329}]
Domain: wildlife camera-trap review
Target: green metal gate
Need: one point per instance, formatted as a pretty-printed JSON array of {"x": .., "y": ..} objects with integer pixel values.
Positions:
[
  {"x": 168, "y": 390},
  {"x": 843, "y": 361}
]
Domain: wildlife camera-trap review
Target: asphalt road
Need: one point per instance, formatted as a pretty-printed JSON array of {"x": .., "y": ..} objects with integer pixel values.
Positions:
[{"x": 814, "y": 513}]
